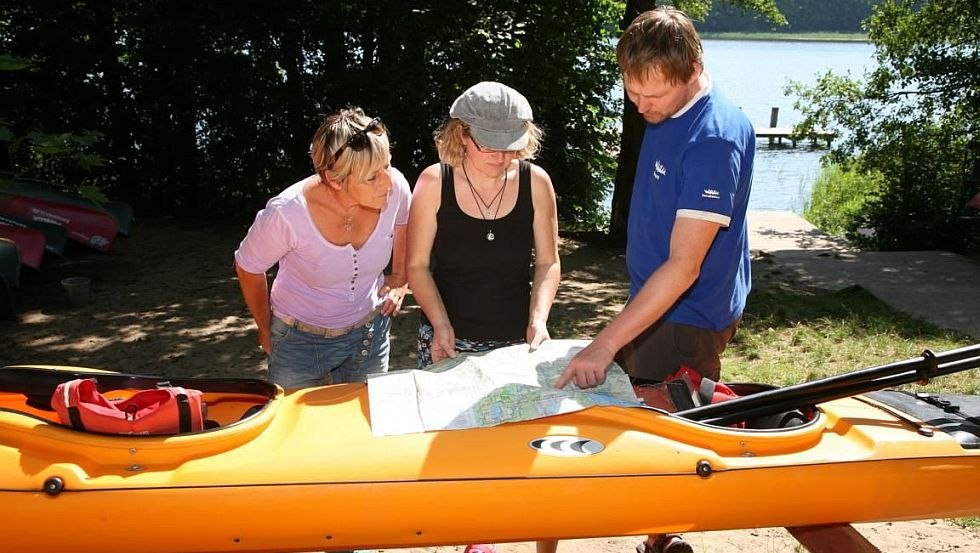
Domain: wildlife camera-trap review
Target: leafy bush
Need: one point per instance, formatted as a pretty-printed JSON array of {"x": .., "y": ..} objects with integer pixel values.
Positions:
[
  {"x": 905, "y": 195},
  {"x": 839, "y": 197},
  {"x": 921, "y": 199},
  {"x": 911, "y": 120},
  {"x": 64, "y": 160}
]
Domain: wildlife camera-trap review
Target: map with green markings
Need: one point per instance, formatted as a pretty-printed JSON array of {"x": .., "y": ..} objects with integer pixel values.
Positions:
[{"x": 486, "y": 389}]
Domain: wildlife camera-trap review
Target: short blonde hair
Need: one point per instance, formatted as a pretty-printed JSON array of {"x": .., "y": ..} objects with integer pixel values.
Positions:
[
  {"x": 334, "y": 133},
  {"x": 662, "y": 40},
  {"x": 450, "y": 140}
]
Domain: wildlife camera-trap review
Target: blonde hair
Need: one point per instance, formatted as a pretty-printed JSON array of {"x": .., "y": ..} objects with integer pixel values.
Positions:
[
  {"x": 450, "y": 140},
  {"x": 662, "y": 40},
  {"x": 334, "y": 133}
]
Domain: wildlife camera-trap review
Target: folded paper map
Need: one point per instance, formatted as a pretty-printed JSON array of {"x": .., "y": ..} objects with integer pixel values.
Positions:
[{"x": 489, "y": 388}]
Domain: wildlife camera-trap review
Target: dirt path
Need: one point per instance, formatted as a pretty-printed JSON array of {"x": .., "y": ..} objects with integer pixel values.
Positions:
[{"x": 941, "y": 287}]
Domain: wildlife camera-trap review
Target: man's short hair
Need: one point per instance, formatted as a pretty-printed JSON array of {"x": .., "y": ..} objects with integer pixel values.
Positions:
[{"x": 662, "y": 41}]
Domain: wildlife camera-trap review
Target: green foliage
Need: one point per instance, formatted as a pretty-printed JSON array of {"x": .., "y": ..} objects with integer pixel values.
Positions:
[
  {"x": 912, "y": 120},
  {"x": 11, "y": 63},
  {"x": 569, "y": 89},
  {"x": 700, "y": 9},
  {"x": 969, "y": 522},
  {"x": 93, "y": 193},
  {"x": 797, "y": 16},
  {"x": 920, "y": 204},
  {"x": 63, "y": 160},
  {"x": 839, "y": 197},
  {"x": 208, "y": 109}
]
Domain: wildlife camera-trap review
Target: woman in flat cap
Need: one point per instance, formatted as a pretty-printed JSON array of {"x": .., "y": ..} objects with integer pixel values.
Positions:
[
  {"x": 480, "y": 220},
  {"x": 483, "y": 233}
]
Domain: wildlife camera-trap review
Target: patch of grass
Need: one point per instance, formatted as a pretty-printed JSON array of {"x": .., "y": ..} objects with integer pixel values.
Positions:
[
  {"x": 790, "y": 337},
  {"x": 973, "y": 523}
]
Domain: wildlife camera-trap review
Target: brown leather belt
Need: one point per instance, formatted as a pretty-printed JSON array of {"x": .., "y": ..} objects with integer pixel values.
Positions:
[{"x": 328, "y": 332}]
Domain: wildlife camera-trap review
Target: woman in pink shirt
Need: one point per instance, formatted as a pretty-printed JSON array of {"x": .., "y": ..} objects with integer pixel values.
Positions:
[{"x": 332, "y": 235}]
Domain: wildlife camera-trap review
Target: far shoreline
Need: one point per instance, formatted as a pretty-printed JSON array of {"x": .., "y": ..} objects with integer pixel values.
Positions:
[{"x": 788, "y": 37}]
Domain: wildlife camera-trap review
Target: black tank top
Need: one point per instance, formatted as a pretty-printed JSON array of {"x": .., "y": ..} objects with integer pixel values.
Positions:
[{"x": 485, "y": 284}]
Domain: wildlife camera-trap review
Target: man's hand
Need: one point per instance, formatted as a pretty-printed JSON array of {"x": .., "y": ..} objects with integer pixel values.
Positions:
[{"x": 588, "y": 368}]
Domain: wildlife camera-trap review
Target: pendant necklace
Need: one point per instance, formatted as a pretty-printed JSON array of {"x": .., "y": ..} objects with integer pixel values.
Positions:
[
  {"x": 347, "y": 221},
  {"x": 489, "y": 217}
]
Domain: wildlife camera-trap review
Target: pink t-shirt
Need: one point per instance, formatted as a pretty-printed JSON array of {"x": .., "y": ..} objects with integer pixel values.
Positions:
[{"x": 320, "y": 283}]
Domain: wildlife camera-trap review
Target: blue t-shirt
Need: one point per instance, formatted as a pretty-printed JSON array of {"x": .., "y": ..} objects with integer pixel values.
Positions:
[{"x": 696, "y": 164}]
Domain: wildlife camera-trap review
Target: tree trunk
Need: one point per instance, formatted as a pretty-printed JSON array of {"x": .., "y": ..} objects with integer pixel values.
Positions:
[{"x": 629, "y": 146}]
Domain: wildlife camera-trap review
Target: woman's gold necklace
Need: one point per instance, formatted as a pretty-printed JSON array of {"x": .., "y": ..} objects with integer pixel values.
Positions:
[
  {"x": 347, "y": 221},
  {"x": 488, "y": 218}
]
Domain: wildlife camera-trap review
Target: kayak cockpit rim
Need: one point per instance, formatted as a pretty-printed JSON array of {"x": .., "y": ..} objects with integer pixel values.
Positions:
[{"x": 27, "y": 390}]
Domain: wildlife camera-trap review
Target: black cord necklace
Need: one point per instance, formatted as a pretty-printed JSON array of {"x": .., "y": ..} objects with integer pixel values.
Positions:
[{"x": 488, "y": 218}]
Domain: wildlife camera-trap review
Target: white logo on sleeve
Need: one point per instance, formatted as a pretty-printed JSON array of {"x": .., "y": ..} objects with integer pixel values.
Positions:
[
  {"x": 659, "y": 170},
  {"x": 710, "y": 193}
]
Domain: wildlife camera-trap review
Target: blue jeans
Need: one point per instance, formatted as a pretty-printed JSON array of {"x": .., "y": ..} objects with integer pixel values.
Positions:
[{"x": 300, "y": 359}]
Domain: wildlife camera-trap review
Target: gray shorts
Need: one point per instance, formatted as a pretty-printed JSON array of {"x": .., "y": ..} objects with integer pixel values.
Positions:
[{"x": 661, "y": 349}]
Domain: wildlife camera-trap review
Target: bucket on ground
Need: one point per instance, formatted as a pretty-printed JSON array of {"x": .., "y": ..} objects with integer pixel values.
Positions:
[{"x": 77, "y": 288}]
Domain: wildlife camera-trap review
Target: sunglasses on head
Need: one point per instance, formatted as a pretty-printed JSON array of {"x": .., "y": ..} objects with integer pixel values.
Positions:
[{"x": 359, "y": 140}]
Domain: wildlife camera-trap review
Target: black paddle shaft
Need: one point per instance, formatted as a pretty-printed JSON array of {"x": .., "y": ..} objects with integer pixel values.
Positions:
[{"x": 768, "y": 402}]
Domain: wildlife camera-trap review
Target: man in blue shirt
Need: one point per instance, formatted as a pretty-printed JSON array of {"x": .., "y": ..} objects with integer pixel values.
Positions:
[{"x": 687, "y": 242}]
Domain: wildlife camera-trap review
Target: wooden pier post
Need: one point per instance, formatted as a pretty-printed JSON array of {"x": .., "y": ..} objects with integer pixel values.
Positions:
[
  {"x": 773, "y": 120},
  {"x": 777, "y": 134}
]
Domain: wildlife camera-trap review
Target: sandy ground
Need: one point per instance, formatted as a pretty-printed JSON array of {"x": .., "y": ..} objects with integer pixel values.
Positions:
[{"x": 165, "y": 301}]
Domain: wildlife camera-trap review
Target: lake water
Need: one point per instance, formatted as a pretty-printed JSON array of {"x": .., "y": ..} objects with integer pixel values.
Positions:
[{"x": 753, "y": 75}]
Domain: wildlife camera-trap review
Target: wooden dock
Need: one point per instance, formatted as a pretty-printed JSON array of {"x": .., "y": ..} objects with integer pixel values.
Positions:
[{"x": 776, "y": 134}]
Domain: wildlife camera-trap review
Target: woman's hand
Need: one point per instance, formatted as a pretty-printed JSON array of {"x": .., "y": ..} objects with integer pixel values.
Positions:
[
  {"x": 443, "y": 344},
  {"x": 265, "y": 342},
  {"x": 537, "y": 333},
  {"x": 393, "y": 291}
]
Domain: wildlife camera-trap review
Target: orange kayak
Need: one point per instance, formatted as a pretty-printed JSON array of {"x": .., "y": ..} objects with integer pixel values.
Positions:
[{"x": 302, "y": 471}]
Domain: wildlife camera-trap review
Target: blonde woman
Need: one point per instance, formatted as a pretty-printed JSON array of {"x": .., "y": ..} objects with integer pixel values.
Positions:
[{"x": 332, "y": 235}]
